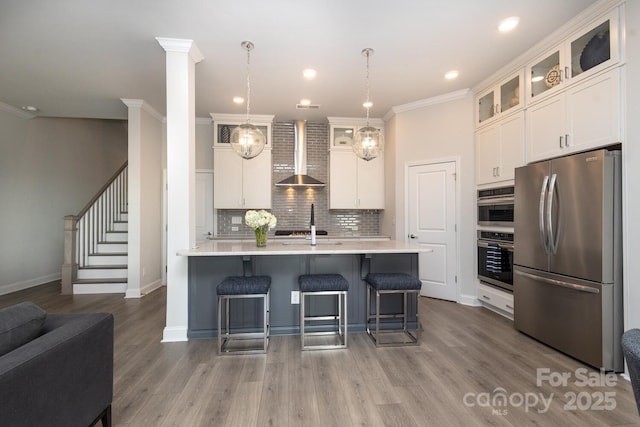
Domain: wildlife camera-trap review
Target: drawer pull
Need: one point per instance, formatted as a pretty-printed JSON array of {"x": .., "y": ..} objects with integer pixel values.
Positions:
[
  {"x": 486, "y": 297},
  {"x": 509, "y": 307}
]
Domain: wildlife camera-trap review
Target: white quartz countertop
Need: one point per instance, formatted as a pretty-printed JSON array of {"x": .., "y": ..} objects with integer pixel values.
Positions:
[{"x": 303, "y": 247}]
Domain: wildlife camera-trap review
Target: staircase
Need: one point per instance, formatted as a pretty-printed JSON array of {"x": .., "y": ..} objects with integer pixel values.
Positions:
[{"x": 96, "y": 242}]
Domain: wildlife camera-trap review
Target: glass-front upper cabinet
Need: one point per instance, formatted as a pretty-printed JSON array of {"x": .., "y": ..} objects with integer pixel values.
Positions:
[
  {"x": 343, "y": 136},
  {"x": 588, "y": 51},
  {"x": 500, "y": 99}
]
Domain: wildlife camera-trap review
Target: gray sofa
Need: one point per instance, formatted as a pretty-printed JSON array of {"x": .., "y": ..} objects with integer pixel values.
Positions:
[
  {"x": 631, "y": 351},
  {"x": 55, "y": 369}
]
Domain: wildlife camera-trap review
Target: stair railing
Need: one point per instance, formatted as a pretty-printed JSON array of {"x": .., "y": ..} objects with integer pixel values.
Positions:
[{"x": 86, "y": 230}]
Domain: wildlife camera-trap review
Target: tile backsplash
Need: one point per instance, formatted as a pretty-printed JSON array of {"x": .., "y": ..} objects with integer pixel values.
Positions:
[{"x": 292, "y": 206}]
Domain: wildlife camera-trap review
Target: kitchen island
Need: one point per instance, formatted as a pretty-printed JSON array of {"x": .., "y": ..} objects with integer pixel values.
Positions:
[{"x": 284, "y": 261}]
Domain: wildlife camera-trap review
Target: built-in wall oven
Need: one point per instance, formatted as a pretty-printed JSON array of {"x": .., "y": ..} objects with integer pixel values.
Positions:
[
  {"x": 495, "y": 259},
  {"x": 495, "y": 206}
]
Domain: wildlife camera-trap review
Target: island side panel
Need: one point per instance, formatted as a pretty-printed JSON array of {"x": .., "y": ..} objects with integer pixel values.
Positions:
[
  {"x": 284, "y": 271},
  {"x": 205, "y": 273}
]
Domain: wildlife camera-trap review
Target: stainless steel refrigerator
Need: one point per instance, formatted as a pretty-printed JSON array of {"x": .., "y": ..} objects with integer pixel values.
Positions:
[{"x": 568, "y": 256}]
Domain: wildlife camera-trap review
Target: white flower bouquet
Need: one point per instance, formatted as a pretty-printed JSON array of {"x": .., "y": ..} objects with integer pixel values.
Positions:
[{"x": 261, "y": 221}]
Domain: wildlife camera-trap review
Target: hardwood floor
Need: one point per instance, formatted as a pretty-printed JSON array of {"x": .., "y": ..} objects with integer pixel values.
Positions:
[{"x": 467, "y": 359}]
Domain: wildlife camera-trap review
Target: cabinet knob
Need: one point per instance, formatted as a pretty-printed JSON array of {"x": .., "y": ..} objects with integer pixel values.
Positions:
[{"x": 413, "y": 236}]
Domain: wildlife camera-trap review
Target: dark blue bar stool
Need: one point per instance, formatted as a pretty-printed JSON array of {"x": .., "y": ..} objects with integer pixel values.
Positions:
[
  {"x": 392, "y": 283},
  {"x": 241, "y": 287},
  {"x": 324, "y": 284}
]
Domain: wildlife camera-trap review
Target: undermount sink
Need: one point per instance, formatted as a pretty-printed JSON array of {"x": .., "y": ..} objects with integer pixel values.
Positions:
[{"x": 308, "y": 243}]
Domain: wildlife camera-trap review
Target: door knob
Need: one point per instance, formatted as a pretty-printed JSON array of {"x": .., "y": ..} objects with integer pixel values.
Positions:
[{"x": 413, "y": 236}]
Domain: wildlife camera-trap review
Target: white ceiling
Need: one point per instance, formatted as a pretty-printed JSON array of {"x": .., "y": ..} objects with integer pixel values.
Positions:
[{"x": 78, "y": 58}]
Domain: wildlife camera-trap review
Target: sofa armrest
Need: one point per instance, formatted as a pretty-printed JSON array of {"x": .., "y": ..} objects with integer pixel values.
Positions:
[{"x": 62, "y": 378}]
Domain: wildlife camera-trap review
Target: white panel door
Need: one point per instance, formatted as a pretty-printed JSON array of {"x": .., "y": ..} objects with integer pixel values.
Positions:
[
  {"x": 204, "y": 206},
  {"x": 431, "y": 208}
]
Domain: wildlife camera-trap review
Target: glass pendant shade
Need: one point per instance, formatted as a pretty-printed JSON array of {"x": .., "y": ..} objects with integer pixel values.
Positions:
[
  {"x": 368, "y": 143},
  {"x": 247, "y": 140}
]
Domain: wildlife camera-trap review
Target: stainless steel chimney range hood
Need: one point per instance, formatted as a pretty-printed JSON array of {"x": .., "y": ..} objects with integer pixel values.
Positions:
[{"x": 300, "y": 177}]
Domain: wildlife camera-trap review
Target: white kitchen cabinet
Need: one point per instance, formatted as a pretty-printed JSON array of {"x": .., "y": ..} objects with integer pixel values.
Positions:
[
  {"x": 496, "y": 300},
  {"x": 587, "y": 52},
  {"x": 506, "y": 97},
  {"x": 500, "y": 149},
  {"x": 241, "y": 183},
  {"x": 584, "y": 116},
  {"x": 355, "y": 183}
]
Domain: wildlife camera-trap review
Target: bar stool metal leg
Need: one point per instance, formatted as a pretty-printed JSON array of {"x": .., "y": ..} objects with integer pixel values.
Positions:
[
  {"x": 318, "y": 285},
  {"x": 392, "y": 283},
  {"x": 243, "y": 288}
]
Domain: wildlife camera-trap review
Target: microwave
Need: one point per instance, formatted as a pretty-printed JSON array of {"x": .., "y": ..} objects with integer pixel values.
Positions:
[{"x": 496, "y": 206}]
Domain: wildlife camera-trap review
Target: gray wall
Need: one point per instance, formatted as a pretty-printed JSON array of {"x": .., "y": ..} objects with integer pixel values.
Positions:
[{"x": 49, "y": 168}]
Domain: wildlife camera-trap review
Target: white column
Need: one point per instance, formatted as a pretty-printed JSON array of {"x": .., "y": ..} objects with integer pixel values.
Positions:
[{"x": 182, "y": 55}]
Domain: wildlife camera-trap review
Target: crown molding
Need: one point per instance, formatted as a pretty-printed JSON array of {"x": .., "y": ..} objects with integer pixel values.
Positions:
[
  {"x": 143, "y": 105},
  {"x": 16, "y": 111},
  {"x": 181, "y": 46},
  {"x": 428, "y": 102}
]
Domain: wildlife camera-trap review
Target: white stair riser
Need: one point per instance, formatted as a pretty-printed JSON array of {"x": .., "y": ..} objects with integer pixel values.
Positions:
[
  {"x": 109, "y": 248},
  {"x": 102, "y": 273},
  {"x": 124, "y": 217},
  {"x": 116, "y": 237},
  {"x": 120, "y": 226},
  {"x": 107, "y": 260},
  {"x": 99, "y": 288}
]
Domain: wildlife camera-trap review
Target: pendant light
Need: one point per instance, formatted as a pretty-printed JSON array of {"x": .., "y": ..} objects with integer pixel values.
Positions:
[
  {"x": 246, "y": 139},
  {"x": 368, "y": 142}
]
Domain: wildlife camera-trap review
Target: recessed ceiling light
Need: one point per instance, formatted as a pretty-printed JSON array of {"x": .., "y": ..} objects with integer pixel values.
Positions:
[
  {"x": 305, "y": 102},
  {"x": 238, "y": 99},
  {"x": 30, "y": 108},
  {"x": 537, "y": 78},
  {"x": 451, "y": 74},
  {"x": 508, "y": 24},
  {"x": 309, "y": 73},
  {"x": 367, "y": 104}
]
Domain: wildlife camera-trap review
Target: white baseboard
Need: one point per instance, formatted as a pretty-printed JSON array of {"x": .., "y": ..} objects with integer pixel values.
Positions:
[
  {"x": 99, "y": 288},
  {"x": 132, "y": 293},
  {"x": 470, "y": 300},
  {"x": 150, "y": 287},
  {"x": 25, "y": 284},
  {"x": 174, "y": 334},
  {"x": 146, "y": 289}
]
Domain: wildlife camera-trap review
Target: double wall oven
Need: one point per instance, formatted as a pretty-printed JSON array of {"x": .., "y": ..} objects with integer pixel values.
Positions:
[
  {"x": 495, "y": 239},
  {"x": 495, "y": 259}
]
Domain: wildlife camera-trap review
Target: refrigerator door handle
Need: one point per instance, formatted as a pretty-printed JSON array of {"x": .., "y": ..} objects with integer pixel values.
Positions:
[
  {"x": 543, "y": 238},
  {"x": 575, "y": 287},
  {"x": 553, "y": 240}
]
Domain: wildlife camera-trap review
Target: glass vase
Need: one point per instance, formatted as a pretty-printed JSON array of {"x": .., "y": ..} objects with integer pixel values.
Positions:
[{"x": 261, "y": 236}]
